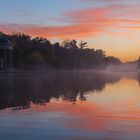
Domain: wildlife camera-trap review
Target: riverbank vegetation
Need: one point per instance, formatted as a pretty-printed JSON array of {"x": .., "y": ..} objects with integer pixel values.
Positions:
[{"x": 39, "y": 52}]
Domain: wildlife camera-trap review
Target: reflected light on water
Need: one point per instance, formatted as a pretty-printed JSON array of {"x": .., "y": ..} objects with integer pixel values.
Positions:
[{"x": 101, "y": 104}]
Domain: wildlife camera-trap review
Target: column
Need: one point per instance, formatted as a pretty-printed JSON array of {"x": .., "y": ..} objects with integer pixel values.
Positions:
[
  {"x": 5, "y": 59},
  {"x": 10, "y": 58}
]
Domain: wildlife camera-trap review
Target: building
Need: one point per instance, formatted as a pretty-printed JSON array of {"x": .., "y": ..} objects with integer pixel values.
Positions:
[
  {"x": 138, "y": 63},
  {"x": 6, "y": 53}
]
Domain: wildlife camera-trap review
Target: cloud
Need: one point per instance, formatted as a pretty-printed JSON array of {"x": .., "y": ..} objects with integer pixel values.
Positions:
[
  {"x": 73, "y": 31},
  {"x": 105, "y": 1},
  {"x": 24, "y": 12},
  {"x": 82, "y": 23}
]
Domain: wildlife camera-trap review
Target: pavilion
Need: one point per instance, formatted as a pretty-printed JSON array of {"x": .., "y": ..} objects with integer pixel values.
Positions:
[{"x": 6, "y": 53}]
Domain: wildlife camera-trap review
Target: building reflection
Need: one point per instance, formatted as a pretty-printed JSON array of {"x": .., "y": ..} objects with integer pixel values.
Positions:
[
  {"x": 138, "y": 77},
  {"x": 19, "y": 90}
]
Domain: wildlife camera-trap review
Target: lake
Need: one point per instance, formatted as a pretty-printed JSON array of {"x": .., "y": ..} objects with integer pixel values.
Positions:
[{"x": 82, "y": 105}]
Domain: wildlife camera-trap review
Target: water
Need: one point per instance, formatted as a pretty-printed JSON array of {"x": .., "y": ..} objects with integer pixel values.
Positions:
[{"x": 70, "y": 105}]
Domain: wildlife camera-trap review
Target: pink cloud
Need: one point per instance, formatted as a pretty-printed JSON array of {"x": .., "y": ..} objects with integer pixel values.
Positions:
[
  {"x": 107, "y": 1},
  {"x": 82, "y": 23}
]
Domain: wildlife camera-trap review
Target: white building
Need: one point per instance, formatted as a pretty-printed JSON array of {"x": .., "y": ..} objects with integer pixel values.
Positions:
[{"x": 6, "y": 53}]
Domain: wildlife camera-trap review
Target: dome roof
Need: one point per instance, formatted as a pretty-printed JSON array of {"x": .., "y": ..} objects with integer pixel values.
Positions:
[{"x": 5, "y": 43}]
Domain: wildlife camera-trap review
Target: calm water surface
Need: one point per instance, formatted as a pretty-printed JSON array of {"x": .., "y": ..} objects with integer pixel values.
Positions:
[{"x": 70, "y": 106}]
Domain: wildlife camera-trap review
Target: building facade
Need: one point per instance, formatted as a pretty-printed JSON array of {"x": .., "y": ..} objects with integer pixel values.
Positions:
[{"x": 6, "y": 54}]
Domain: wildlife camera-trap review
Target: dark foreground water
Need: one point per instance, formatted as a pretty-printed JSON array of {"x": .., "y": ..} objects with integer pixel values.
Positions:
[{"x": 70, "y": 106}]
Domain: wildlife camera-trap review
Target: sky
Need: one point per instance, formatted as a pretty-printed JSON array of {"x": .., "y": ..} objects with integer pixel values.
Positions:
[{"x": 111, "y": 25}]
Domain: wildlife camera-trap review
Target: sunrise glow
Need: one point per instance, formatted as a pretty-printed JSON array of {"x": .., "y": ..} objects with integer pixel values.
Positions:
[{"x": 112, "y": 25}]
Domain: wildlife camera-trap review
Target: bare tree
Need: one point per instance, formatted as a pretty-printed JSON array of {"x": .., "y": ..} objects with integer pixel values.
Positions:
[{"x": 83, "y": 44}]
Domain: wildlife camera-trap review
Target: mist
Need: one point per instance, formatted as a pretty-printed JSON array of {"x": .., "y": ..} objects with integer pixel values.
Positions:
[{"x": 122, "y": 68}]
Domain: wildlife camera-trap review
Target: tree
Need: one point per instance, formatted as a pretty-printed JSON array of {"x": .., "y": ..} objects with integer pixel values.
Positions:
[
  {"x": 83, "y": 44},
  {"x": 37, "y": 51}
]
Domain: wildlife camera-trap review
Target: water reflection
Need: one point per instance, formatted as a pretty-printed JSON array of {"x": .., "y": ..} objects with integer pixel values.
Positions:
[
  {"x": 20, "y": 89},
  {"x": 107, "y": 106}
]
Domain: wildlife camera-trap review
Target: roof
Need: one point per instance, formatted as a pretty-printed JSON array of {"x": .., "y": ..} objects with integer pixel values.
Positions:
[{"x": 5, "y": 44}]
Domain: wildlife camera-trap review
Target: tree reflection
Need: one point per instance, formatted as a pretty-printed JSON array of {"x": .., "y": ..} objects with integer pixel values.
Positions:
[
  {"x": 20, "y": 89},
  {"x": 138, "y": 78}
]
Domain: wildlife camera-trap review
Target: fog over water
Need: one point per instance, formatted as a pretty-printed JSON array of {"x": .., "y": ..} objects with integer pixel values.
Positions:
[
  {"x": 79, "y": 105},
  {"x": 19, "y": 89}
]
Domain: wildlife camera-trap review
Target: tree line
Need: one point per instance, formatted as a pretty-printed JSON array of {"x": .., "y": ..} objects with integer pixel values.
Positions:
[
  {"x": 39, "y": 52},
  {"x": 69, "y": 86}
]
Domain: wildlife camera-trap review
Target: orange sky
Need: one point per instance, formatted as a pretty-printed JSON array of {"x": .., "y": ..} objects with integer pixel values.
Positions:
[{"x": 111, "y": 25}]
